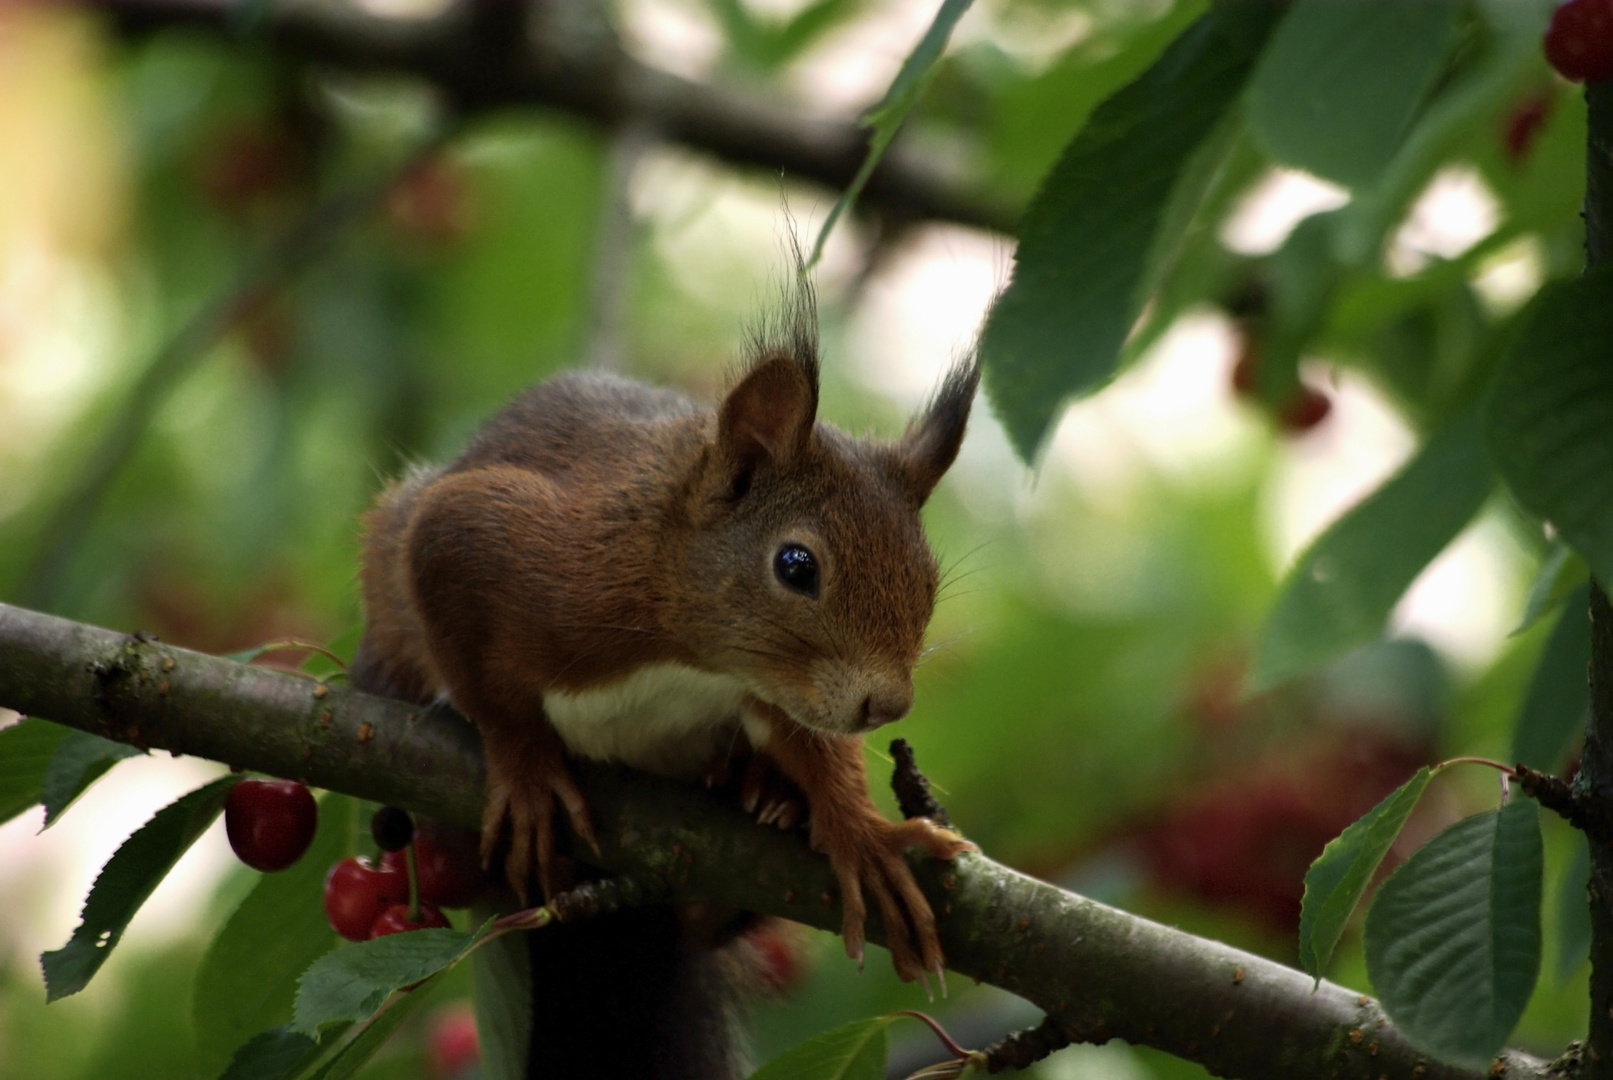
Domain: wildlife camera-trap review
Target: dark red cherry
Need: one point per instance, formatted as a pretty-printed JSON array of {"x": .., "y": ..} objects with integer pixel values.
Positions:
[{"x": 270, "y": 823}]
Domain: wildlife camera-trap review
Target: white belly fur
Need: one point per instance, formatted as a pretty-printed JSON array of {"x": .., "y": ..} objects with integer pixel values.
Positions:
[{"x": 664, "y": 718}]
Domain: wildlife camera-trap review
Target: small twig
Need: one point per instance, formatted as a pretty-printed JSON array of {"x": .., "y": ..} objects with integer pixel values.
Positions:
[
  {"x": 1562, "y": 798},
  {"x": 597, "y": 898},
  {"x": 912, "y": 787}
]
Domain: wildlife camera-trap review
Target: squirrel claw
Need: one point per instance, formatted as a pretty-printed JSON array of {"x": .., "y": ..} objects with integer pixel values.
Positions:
[
  {"x": 872, "y": 865},
  {"x": 524, "y": 794},
  {"x": 582, "y": 823},
  {"x": 767, "y": 793}
]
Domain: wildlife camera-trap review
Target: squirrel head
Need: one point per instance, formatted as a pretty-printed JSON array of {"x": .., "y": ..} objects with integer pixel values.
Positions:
[{"x": 812, "y": 579}]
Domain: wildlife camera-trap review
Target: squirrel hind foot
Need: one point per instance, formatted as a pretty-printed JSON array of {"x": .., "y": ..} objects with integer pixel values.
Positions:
[{"x": 525, "y": 798}]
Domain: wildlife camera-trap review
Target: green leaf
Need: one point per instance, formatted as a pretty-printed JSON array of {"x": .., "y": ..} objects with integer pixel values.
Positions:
[
  {"x": 1341, "y": 590},
  {"x": 26, "y": 749},
  {"x": 243, "y": 986},
  {"x": 1453, "y": 937},
  {"x": 768, "y": 43},
  {"x": 501, "y": 990},
  {"x": 1554, "y": 708},
  {"x": 271, "y": 1055},
  {"x": 350, "y": 1056},
  {"x": 1574, "y": 911},
  {"x": 1338, "y": 877},
  {"x": 128, "y": 878},
  {"x": 1338, "y": 87},
  {"x": 1482, "y": 83},
  {"x": 1107, "y": 218},
  {"x": 1560, "y": 573},
  {"x": 1549, "y": 424},
  {"x": 854, "y": 1051},
  {"x": 886, "y": 117},
  {"x": 351, "y": 982},
  {"x": 80, "y": 760}
]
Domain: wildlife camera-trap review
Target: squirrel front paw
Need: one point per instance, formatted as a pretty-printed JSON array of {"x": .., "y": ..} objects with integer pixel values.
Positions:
[
  {"x": 866, "y": 855},
  {"x": 524, "y": 781}
]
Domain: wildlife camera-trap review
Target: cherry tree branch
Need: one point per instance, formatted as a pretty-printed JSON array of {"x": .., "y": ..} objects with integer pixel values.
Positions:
[
  {"x": 1595, "y": 779},
  {"x": 490, "y": 54},
  {"x": 1099, "y": 972}
]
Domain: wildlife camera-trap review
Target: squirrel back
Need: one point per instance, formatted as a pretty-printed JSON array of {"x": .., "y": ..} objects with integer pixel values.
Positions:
[{"x": 598, "y": 527}]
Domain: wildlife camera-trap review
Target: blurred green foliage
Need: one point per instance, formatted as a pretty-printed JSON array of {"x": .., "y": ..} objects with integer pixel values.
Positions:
[{"x": 1083, "y": 711}]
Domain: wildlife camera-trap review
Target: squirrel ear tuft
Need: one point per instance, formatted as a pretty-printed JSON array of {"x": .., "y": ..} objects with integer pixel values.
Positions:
[
  {"x": 932, "y": 440},
  {"x": 769, "y": 414}
]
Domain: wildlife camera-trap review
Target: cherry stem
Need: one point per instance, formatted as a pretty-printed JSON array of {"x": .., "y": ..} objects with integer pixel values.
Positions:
[
  {"x": 526, "y": 919},
  {"x": 940, "y": 1032},
  {"x": 414, "y": 881},
  {"x": 946, "y": 1070},
  {"x": 1505, "y": 770},
  {"x": 298, "y": 645}
]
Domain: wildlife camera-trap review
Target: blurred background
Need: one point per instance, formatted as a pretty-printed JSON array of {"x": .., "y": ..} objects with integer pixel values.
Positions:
[{"x": 239, "y": 290}]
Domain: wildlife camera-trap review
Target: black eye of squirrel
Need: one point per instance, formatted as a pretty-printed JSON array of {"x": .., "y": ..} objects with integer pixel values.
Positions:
[{"x": 798, "y": 568}]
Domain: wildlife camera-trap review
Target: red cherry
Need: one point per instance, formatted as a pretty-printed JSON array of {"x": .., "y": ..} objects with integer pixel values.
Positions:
[
  {"x": 432, "y": 204},
  {"x": 453, "y": 1047},
  {"x": 1523, "y": 125},
  {"x": 1304, "y": 411},
  {"x": 270, "y": 822},
  {"x": 450, "y": 865},
  {"x": 395, "y": 920},
  {"x": 248, "y": 163},
  {"x": 357, "y": 892},
  {"x": 1246, "y": 372},
  {"x": 1579, "y": 41}
]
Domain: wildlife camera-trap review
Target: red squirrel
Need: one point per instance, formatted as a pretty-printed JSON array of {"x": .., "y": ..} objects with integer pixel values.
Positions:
[{"x": 613, "y": 571}]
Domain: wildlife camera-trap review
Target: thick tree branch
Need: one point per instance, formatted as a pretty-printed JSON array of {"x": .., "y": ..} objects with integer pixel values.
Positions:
[
  {"x": 487, "y": 55},
  {"x": 1595, "y": 780},
  {"x": 1102, "y": 973}
]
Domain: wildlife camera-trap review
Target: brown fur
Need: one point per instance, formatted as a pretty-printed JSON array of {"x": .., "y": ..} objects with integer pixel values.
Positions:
[{"x": 597, "y": 526}]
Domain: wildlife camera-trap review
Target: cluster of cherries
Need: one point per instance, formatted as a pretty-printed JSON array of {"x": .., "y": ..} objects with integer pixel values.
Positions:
[
  {"x": 368, "y": 900},
  {"x": 423, "y": 868}
]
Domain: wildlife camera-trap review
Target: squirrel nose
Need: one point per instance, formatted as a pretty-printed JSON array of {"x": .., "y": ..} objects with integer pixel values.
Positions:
[{"x": 884, "y": 706}]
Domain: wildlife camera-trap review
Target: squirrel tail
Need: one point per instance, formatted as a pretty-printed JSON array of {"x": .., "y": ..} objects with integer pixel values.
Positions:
[{"x": 629, "y": 994}]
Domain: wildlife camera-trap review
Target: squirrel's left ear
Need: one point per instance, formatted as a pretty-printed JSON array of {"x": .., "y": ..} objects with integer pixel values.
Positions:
[
  {"x": 932, "y": 440},
  {"x": 769, "y": 415}
]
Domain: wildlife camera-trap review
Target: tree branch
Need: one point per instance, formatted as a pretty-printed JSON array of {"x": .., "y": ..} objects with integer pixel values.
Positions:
[
  {"x": 1595, "y": 779},
  {"x": 488, "y": 55},
  {"x": 1100, "y": 972}
]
